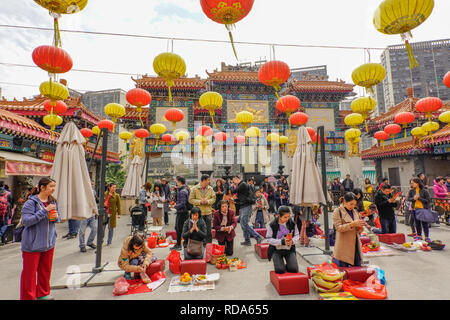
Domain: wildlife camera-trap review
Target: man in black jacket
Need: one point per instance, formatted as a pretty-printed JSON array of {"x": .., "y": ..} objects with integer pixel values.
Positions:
[
  {"x": 166, "y": 191},
  {"x": 268, "y": 188},
  {"x": 181, "y": 205},
  {"x": 244, "y": 205},
  {"x": 348, "y": 184},
  {"x": 385, "y": 203}
]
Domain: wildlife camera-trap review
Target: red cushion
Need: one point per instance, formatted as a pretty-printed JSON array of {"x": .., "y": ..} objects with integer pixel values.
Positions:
[
  {"x": 261, "y": 250},
  {"x": 158, "y": 265},
  {"x": 290, "y": 283},
  {"x": 172, "y": 233},
  {"x": 262, "y": 231},
  {"x": 213, "y": 231},
  {"x": 197, "y": 266},
  {"x": 391, "y": 238},
  {"x": 360, "y": 274}
]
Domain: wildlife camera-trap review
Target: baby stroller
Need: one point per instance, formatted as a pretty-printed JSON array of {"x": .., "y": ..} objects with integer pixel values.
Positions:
[{"x": 138, "y": 219}]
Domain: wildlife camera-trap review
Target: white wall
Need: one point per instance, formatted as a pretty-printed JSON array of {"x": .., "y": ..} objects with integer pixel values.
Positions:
[{"x": 406, "y": 167}]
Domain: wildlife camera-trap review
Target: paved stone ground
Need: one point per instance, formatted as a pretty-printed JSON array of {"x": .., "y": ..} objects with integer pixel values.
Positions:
[{"x": 420, "y": 275}]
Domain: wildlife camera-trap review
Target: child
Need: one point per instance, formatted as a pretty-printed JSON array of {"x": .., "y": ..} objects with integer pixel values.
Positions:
[{"x": 281, "y": 235}]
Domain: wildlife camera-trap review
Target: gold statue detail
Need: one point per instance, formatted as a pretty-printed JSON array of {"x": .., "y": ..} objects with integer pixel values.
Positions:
[
  {"x": 292, "y": 142},
  {"x": 258, "y": 115},
  {"x": 137, "y": 148}
]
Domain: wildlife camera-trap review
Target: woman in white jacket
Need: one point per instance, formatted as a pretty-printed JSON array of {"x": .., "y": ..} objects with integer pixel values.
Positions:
[{"x": 157, "y": 202}]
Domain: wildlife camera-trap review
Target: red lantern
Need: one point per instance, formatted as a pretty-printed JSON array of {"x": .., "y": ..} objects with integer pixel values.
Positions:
[
  {"x": 404, "y": 118},
  {"x": 138, "y": 97},
  {"x": 314, "y": 138},
  {"x": 429, "y": 105},
  {"x": 288, "y": 104},
  {"x": 311, "y": 132},
  {"x": 205, "y": 131},
  {"x": 174, "y": 115},
  {"x": 274, "y": 74},
  {"x": 52, "y": 59},
  {"x": 298, "y": 119},
  {"x": 59, "y": 107},
  {"x": 239, "y": 139},
  {"x": 220, "y": 136},
  {"x": 392, "y": 130},
  {"x": 85, "y": 132},
  {"x": 168, "y": 138},
  {"x": 108, "y": 124},
  {"x": 381, "y": 136},
  {"x": 447, "y": 79},
  {"x": 227, "y": 12},
  {"x": 141, "y": 133}
]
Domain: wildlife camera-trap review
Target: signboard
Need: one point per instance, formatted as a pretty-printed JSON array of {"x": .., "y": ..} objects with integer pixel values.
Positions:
[
  {"x": 5, "y": 144},
  {"x": 259, "y": 108},
  {"x": 27, "y": 169},
  {"x": 48, "y": 156},
  {"x": 321, "y": 117}
]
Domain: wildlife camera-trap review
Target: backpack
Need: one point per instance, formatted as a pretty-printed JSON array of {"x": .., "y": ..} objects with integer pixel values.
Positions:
[
  {"x": 189, "y": 205},
  {"x": 251, "y": 195},
  {"x": 4, "y": 203}
]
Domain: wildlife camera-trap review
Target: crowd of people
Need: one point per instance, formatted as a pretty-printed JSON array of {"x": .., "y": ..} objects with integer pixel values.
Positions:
[{"x": 202, "y": 208}]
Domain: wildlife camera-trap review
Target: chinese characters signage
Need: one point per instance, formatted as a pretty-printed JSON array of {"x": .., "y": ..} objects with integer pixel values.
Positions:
[
  {"x": 259, "y": 108},
  {"x": 321, "y": 117},
  {"x": 5, "y": 144},
  {"x": 27, "y": 169}
]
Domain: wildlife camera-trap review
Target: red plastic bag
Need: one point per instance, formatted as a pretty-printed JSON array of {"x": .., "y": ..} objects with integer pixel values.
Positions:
[
  {"x": 174, "y": 262},
  {"x": 152, "y": 242},
  {"x": 213, "y": 249},
  {"x": 371, "y": 289},
  {"x": 120, "y": 286}
]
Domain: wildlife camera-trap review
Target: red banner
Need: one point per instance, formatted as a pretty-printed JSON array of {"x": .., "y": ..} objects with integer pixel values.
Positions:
[{"x": 27, "y": 169}]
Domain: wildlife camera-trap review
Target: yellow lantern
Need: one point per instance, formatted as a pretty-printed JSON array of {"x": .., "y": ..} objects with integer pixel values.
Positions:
[
  {"x": 63, "y": 6},
  {"x": 445, "y": 117},
  {"x": 273, "y": 137},
  {"x": 211, "y": 101},
  {"x": 429, "y": 127},
  {"x": 368, "y": 75},
  {"x": 203, "y": 142},
  {"x": 52, "y": 120},
  {"x": 354, "y": 120},
  {"x": 169, "y": 66},
  {"x": 114, "y": 110},
  {"x": 252, "y": 132},
  {"x": 54, "y": 91},
  {"x": 182, "y": 136},
  {"x": 283, "y": 141},
  {"x": 363, "y": 106},
  {"x": 400, "y": 17},
  {"x": 96, "y": 130},
  {"x": 125, "y": 136},
  {"x": 419, "y": 133},
  {"x": 244, "y": 118},
  {"x": 157, "y": 129},
  {"x": 353, "y": 136}
]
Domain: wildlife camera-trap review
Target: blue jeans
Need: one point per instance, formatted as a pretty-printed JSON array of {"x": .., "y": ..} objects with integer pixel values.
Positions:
[
  {"x": 421, "y": 225},
  {"x": 3, "y": 224},
  {"x": 259, "y": 221},
  {"x": 388, "y": 226},
  {"x": 92, "y": 224},
  {"x": 245, "y": 214},
  {"x": 110, "y": 232},
  {"x": 74, "y": 225}
]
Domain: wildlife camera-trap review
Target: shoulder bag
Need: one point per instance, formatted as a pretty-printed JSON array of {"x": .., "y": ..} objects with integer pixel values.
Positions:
[{"x": 426, "y": 215}]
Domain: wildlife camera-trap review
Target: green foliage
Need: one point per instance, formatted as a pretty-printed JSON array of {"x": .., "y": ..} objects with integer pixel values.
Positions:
[{"x": 115, "y": 173}]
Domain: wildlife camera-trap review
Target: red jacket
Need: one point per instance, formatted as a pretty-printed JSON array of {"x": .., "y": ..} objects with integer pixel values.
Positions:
[{"x": 221, "y": 236}]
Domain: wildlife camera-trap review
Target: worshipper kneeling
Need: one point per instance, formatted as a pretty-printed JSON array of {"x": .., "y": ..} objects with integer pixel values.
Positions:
[
  {"x": 194, "y": 232},
  {"x": 281, "y": 235},
  {"x": 135, "y": 257}
]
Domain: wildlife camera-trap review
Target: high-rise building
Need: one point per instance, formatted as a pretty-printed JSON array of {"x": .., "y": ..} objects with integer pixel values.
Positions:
[
  {"x": 310, "y": 73},
  {"x": 426, "y": 80},
  {"x": 96, "y": 102},
  {"x": 380, "y": 107}
]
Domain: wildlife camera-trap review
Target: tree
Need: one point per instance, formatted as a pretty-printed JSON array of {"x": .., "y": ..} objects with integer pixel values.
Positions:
[{"x": 115, "y": 173}]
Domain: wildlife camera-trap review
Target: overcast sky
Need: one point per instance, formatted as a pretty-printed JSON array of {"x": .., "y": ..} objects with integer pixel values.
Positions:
[{"x": 318, "y": 22}]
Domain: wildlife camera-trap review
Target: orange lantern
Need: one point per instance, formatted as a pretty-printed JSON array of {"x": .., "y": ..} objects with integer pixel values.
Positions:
[
  {"x": 274, "y": 74},
  {"x": 168, "y": 138},
  {"x": 404, "y": 118},
  {"x": 298, "y": 119},
  {"x": 108, "y": 124},
  {"x": 58, "y": 107},
  {"x": 141, "y": 133},
  {"x": 311, "y": 132},
  {"x": 139, "y": 97},
  {"x": 205, "y": 131},
  {"x": 52, "y": 59},
  {"x": 392, "y": 130},
  {"x": 239, "y": 139},
  {"x": 429, "y": 105},
  {"x": 174, "y": 115},
  {"x": 381, "y": 136},
  {"x": 447, "y": 79},
  {"x": 220, "y": 136}
]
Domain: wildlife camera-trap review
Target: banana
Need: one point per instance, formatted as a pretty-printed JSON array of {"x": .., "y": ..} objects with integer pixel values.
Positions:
[
  {"x": 336, "y": 289},
  {"x": 326, "y": 284},
  {"x": 329, "y": 276}
]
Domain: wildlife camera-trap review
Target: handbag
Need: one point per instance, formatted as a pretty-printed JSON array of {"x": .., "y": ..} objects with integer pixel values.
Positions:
[
  {"x": 194, "y": 247},
  {"x": 426, "y": 215}
]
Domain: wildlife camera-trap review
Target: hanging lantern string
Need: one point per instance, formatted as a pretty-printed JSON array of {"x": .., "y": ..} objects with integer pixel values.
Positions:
[
  {"x": 230, "y": 34},
  {"x": 273, "y": 50},
  {"x": 57, "y": 35},
  {"x": 140, "y": 119},
  {"x": 412, "y": 60},
  {"x": 212, "y": 118}
]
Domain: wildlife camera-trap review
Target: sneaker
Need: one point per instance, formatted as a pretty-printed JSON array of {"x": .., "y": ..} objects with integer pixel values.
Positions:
[
  {"x": 246, "y": 243},
  {"x": 259, "y": 240},
  {"x": 412, "y": 235},
  {"x": 93, "y": 246},
  {"x": 428, "y": 240},
  {"x": 417, "y": 238},
  {"x": 49, "y": 297},
  {"x": 66, "y": 236},
  {"x": 83, "y": 249}
]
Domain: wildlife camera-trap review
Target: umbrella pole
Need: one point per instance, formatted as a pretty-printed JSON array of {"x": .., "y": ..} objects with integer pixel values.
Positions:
[
  {"x": 102, "y": 211},
  {"x": 95, "y": 151},
  {"x": 321, "y": 129}
]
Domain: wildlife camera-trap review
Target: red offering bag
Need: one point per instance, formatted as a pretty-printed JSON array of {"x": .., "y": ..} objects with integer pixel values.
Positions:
[
  {"x": 371, "y": 289},
  {"x": 152, "y": 240},
  {"x": 120, "y": 286},
  {"x": 174, "y": 262},
  {"x": 213, "y": 249}
]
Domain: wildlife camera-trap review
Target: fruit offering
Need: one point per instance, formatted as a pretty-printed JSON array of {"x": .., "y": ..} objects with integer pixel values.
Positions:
[
  {"x": 161, "y": 239},
  {"x": 425, "y": 247},
  {"x": 327, "y": 281},
  {"x": 222, "y": 262},
  {"x": 185, "y": 278},
  {"x": 373, "y": 245}
]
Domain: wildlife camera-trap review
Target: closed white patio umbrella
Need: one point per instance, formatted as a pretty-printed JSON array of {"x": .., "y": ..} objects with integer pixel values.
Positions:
[{"x": 134, "y": 180}]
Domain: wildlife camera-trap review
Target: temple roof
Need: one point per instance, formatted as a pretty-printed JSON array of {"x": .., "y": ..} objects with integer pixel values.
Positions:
[
  {"x": 439, "y": 137},
  {"x": 400, "y": 149},
  {"x": 35, "y": 107},
  {"x": 11, "y": 122},
  {"x": 132, "y": 114},
  {"x": 319, "y": 86},
  {"x": 110, "y": 156},
  {"x": 147, "y": 82},
  {"x": 233, "y": 76}
]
